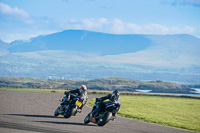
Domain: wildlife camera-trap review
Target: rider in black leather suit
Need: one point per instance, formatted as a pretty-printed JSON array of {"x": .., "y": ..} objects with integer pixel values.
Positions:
[{"x": 114, "y": 97}]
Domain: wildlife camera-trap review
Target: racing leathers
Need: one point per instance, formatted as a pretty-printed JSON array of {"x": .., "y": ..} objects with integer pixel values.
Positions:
[
  {"x": 73, "y": 93},
  {"x": 114, "y": 97}
]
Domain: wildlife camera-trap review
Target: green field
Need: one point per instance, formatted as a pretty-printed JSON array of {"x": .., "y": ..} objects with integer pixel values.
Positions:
[
  {"x": 170, "y": 111},
  {"x": 174, "y": 112}
]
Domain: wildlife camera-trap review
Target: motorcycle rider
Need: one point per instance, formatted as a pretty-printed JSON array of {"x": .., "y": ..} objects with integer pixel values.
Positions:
[
  {"x": 82, "y": 91},
  {"x": 114, "y": 97}
]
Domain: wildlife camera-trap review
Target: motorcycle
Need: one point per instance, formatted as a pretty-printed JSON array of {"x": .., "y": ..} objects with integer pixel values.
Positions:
[
  {"x": 104, "y": 116},
  {"x": 72, "y": 108}
]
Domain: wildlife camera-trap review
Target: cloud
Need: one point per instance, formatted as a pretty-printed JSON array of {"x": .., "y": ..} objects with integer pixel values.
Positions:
[
  {"x": 195, "y": 3},
  {"x": 14, "y": 30},
  {"x": 85, "y": 24},
  {"x": 17, "y": 24},
  {"x": 15, "y": 12},
  {"x": 94, "y": 23},
  {"x": 117, "y": 26}
]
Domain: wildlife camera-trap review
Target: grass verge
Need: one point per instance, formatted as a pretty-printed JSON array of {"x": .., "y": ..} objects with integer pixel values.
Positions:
[{"x": 169, "y": 111}]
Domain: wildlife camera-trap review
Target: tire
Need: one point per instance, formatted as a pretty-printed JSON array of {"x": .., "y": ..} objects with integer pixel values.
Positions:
[
  {"x": 56, "y": 113},
  {"x": 68, "y": 113},
  {"x": 87, "y": 119},
  {"x": 74, "y": 111},
  {"x": 71, "y": 111},
  {"x": 105, "y": 119}
]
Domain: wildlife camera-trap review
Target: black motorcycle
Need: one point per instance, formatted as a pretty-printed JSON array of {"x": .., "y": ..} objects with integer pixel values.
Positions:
[
  {"x": 72, "y": 108},
  {"x": 104, "y": 116}
]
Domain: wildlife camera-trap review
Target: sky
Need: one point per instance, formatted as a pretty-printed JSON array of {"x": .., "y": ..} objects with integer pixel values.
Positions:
[{"x": 24, "y": 19}]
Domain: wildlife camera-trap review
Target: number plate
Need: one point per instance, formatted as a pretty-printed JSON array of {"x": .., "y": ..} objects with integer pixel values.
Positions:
[{"x": 78, "y": 103}]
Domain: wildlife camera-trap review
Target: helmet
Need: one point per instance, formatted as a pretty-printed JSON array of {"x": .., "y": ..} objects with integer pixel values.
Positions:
[
  {"x": 116, "y": 92},
  {"x": 83, "y": 87},
  {"x": 115, "y": 95}
]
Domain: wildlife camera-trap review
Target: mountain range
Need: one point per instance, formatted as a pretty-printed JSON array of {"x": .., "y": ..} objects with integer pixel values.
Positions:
[
  {"x": 80, "y": 54},
  {"x": 83, "y": 41}
]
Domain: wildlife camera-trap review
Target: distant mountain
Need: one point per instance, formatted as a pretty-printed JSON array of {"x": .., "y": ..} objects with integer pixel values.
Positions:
[
  {"x": 3, "y": 48},
  {"x": 84, "y": 41},
  {"x": 80, "y": 54},
  {"x": 169, "y": 51},
  {"x": 155, "y": 50}
]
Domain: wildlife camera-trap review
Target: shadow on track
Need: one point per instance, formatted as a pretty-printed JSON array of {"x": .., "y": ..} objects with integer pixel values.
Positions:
[
  {"x": 40, "y": 116},
  {"x": 49, "y": 116},
  {"x": 69, "y": 123},
  {"x": 25, "y": 127}
]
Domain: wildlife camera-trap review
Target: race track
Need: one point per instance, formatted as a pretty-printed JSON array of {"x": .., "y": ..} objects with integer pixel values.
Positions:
[{"x": 28, "y": 112}]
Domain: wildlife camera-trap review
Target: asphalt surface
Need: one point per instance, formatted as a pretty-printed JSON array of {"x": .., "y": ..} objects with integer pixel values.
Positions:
[{"x": 30, "y": 112}]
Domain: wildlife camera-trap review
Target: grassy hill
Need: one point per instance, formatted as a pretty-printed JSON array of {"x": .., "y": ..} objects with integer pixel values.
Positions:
[{"x": 98, "y": 84}]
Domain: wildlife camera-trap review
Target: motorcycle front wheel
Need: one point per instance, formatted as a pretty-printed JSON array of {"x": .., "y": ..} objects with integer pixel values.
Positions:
[
  {"x": 56, "y": 113},
  {"x": 105, "y": 119},
  {"x": 87, "y": 119}
]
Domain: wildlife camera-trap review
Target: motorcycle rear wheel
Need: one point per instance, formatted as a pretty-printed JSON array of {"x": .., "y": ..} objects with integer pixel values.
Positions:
[
  {"x": 68, "y": 113},
  {"x": 71, "y": 111}
]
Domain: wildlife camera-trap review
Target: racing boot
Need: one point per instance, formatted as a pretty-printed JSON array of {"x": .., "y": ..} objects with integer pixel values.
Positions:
[
  {"x": 95, "y": 112},
  {"x": 79, "y": 110},
  {"x": 113, "y": 117}
]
